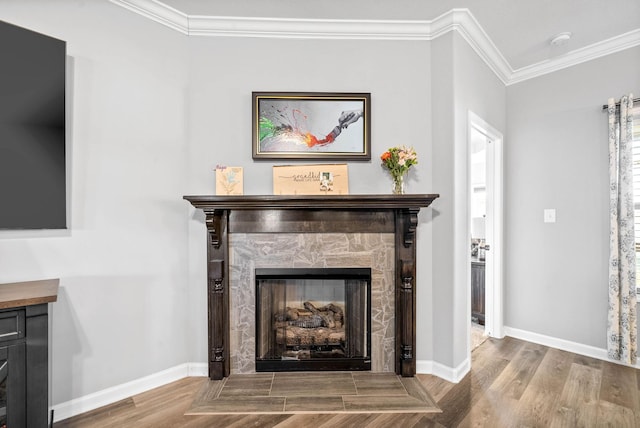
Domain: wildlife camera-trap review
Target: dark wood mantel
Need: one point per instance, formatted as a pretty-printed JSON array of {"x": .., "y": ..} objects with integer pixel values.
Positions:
[
  {"x": 276, "y": 202},
  {"x": 396, "y": 214}
]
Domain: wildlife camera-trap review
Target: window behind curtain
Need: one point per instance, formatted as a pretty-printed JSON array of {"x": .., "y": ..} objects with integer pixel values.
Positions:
[{"x": 636, "y": 186}]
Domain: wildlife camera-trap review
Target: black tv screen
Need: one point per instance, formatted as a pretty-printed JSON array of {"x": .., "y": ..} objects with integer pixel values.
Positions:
[{"x": 32, "y": 130}]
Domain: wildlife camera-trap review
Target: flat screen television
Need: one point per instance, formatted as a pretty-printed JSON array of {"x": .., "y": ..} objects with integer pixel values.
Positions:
[{"x": 32, "y": 130}]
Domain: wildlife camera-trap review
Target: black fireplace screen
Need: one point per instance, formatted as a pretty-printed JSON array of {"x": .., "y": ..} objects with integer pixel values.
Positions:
[{"x": 313, "y": 319}]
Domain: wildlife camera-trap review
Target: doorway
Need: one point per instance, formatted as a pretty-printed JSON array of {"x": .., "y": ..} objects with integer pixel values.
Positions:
[{"x": 485, "y": 228}]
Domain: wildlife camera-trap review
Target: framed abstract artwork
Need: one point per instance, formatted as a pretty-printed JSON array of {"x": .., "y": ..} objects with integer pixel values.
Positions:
[{"x": 325, "y": 126}]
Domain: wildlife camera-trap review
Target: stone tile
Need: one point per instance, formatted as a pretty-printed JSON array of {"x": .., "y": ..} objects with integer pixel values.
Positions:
[
  {"x": 314, "y": 404},
  {"x": 357, "y": 403},
  {"x": 250, "y": 251},
  {"x": 386, "y": 384},
  {"x": 316, "y": 384},
  {"x": 313, "y": 392},
  {"x": 239, "y": 385}
]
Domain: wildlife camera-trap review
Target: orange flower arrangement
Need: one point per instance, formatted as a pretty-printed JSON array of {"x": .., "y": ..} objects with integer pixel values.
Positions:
[{"x": 398, "y": 160}]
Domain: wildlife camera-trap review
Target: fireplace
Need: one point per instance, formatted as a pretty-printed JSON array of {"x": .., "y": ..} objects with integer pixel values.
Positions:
[
  {"x": 313, "y": 319},
  {"x": 305, "y": 220}
]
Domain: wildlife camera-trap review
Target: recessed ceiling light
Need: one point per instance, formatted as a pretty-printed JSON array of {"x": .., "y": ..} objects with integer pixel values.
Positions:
[{"x": 561, "y": 39}]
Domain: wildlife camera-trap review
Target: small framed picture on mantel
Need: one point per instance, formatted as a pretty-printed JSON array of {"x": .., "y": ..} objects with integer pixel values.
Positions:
[
  {"x": 313, "y": 125},
  {"x": 229, "y": 180}
]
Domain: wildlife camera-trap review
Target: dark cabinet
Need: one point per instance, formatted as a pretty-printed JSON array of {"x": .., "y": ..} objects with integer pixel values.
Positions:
[
  {"x": 24, "y": 359},
  {"x": 13, "y": 400},
  {"x": 477, "y": 291}
]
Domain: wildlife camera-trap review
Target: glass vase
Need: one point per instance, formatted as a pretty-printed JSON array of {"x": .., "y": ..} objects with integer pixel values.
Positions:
[{"x": 398, "y": 185}]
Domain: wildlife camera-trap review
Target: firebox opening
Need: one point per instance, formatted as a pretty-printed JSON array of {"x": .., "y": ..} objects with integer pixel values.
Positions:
[{"x": 313, "y": 319}]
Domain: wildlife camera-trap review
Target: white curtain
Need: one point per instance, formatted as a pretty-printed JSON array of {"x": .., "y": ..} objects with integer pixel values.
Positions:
[{"x": 621, "y": 326}]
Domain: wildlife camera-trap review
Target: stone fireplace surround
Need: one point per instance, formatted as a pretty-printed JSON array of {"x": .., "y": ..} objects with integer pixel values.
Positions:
[
  {"x": 248, "y": 251},
  {"x": 317, "y": 223}
]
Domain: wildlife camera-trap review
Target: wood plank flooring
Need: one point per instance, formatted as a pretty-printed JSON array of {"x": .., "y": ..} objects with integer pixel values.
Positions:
[{"x": 512, "y": 383}]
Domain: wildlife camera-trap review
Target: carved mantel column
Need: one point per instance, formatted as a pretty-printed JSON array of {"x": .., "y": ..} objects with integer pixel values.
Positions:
[
  {"x": 218, "y": 293},
  {"x": 397, "y": 214},
  {"x": 405, "y": 247}
]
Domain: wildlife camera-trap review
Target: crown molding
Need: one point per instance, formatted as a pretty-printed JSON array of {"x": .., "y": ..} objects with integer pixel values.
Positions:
[
  {"x": 578, "y": 56},
  {"x": 472, "y": 32},
  {"x": 159, "y": 12},
  {"x": 308, "y": 28},
  {"x": 459, "y": 20}
]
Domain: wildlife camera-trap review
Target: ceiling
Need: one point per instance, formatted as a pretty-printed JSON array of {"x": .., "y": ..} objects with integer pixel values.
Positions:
[{"x": 517, "y": 33}]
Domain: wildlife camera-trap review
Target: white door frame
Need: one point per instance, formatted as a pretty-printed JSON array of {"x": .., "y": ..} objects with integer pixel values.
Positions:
[{"x": 494, "y": 323}]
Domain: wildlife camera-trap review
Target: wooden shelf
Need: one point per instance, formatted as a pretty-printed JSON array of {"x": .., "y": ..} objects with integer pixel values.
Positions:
[{"x": 310, "y": 202}]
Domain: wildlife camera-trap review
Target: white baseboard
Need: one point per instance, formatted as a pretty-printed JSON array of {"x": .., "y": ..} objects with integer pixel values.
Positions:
[
  {"x": 120, "y": 392},
  {"x": 451, "y": 374},
  {"x": 424, "y": 366},
  {"x": 564, "y": 345}
]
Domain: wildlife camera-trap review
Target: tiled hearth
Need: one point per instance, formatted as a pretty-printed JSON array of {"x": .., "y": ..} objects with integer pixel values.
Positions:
[
  {"x": 327, "y": 392},
  {"x": 319, "y": 250}
]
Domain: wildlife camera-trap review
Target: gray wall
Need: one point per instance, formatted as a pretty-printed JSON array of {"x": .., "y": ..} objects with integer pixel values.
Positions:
[
  {"x": 442, "y": 80},
  {"x": 122, "y": 308},
  {"x": 461, "y": 82},
  {"x": 557, "y": 157}
]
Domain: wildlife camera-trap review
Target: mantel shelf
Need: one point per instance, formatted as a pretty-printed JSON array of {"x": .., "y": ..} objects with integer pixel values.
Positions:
[{"x": 301, "y": 202}]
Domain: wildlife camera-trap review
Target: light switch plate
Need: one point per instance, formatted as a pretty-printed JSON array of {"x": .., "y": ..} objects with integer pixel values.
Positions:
[{"x": 549, "y": 215}]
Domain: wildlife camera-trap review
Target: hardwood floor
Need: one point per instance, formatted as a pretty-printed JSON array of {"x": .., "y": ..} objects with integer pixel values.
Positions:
[{"x": 512, "y": 383}]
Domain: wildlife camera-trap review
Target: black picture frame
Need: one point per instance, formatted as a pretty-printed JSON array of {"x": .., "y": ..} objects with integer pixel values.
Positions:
[{"x": 311, "y": 125}]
